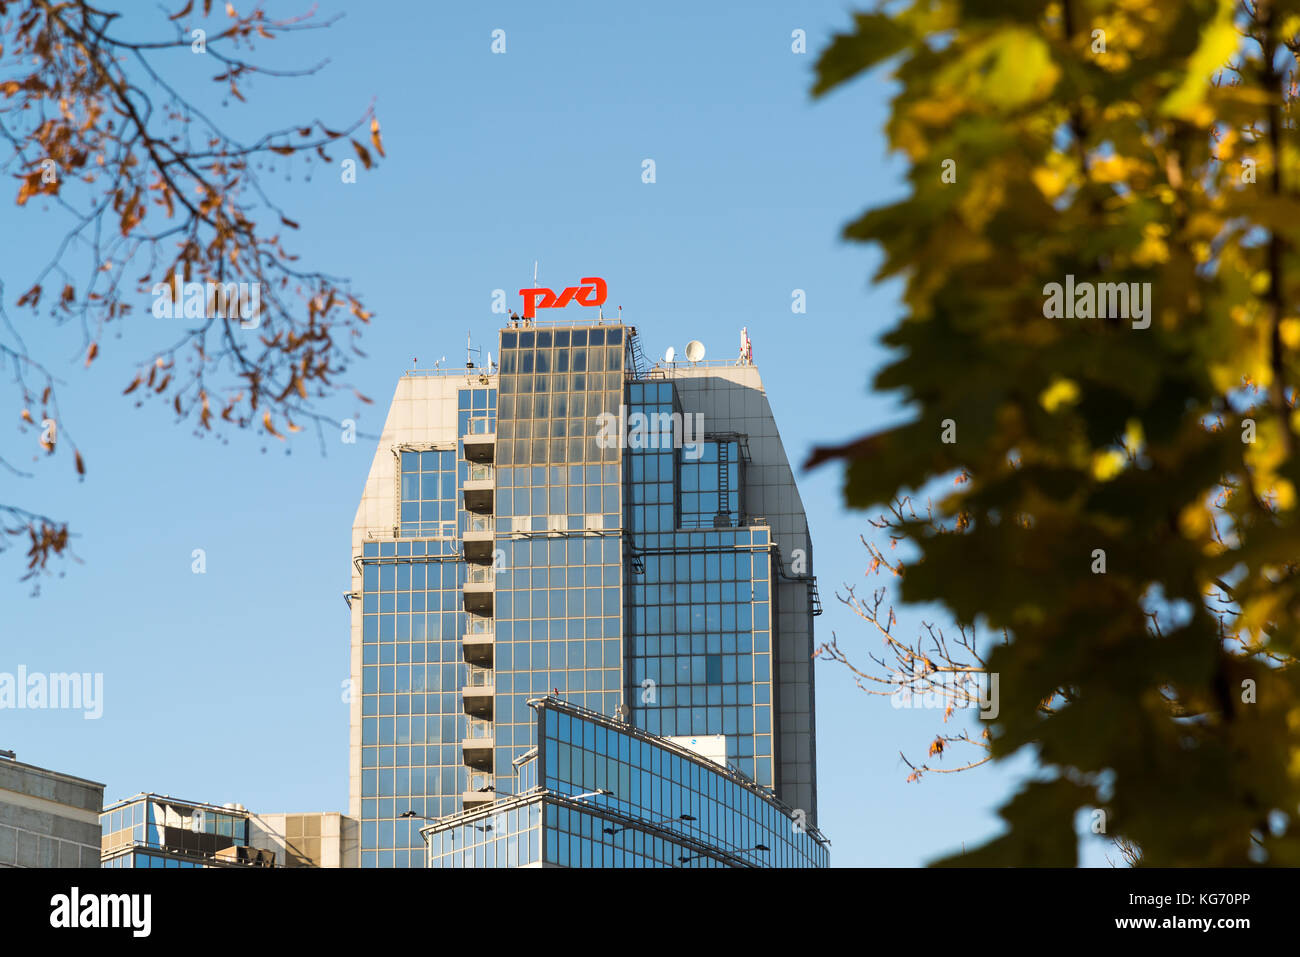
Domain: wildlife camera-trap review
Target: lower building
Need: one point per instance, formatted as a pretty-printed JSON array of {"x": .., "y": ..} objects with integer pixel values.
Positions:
[
  {"x": 153, "y": 830},
  {"x": 317, "y": 839},
  {"x": 47, "y": 819},
  {"x": 156, "y": 830},
  {"x": 598, "y": 792}
]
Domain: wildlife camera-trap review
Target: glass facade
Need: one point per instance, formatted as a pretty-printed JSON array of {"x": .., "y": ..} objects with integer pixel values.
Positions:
[
  {"x": 601, "y": 793},
  {"x": 530, "y": 555},
  {"x": 559, "y": 603},
  {"x": 699, "y": 620},
  {"x": 154, "y": 831}
]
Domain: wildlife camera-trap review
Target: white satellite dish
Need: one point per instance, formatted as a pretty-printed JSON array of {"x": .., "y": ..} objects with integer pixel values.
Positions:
[
  {"x": 694, "y": 350},
  {"x": 670, "y": 355}
]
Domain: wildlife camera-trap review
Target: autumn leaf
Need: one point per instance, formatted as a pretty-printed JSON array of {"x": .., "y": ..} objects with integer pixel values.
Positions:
[
  {"x": 363, "y": 153},
  {"x": 266, "y": 423}
]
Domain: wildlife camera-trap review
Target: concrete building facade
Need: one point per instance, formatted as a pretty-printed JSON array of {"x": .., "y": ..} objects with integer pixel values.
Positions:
[{"x": 47, "y": 818}]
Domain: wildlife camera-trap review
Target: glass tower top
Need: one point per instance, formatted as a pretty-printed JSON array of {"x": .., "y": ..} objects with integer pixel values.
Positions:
[{"x": 570, "y": 532}]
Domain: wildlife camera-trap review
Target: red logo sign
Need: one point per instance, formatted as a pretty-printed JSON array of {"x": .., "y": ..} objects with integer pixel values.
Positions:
[{"x": 585, "y": 295}]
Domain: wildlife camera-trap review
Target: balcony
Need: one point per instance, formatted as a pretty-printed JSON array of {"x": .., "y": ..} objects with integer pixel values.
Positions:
[
  {"x": 479, "y": 585},
  {"x": 479, "y": 488},
  {"x": 473, "y": 799},
  {"x": 476, "y": 748},
  {"x": 478, "y": 647},
  {"x": 476, "y": 695},
  {"x": 479, "y": 443},
  {"x": 478, "y": 538}
]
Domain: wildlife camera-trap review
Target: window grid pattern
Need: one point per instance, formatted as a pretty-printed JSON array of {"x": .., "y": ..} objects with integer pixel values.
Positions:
[
  {"x": 412, "y": 671},
  {"x": 704, "y": 501},
  {"x": 699, "y": 618},
  {"x": 553, "y": 385},
  {"x": 511, "y": 838},
  {"x": 558, "y": 598},
  {"x": 663, "y": 809},
  {"x": 648, "y": 781},
  {"x": 413, "y": 668},
  {"x": 428, "y": 493}
]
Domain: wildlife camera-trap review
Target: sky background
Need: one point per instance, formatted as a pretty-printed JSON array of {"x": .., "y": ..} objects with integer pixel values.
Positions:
[{"x": 227, "y": 686}]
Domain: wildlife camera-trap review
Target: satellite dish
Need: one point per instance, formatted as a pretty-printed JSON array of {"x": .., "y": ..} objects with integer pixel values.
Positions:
[
  {"x": 695, "y": 350},
  {"x": 670, "y": 355}
]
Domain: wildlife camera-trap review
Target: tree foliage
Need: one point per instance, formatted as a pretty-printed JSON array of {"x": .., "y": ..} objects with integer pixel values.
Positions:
[
  {"x": 1125, "y": 506},
  {"x": 152, "y": 188}
]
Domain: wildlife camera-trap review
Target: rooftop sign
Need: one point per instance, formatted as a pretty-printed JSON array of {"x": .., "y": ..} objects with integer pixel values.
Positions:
[{"x": 539, "y": 297}]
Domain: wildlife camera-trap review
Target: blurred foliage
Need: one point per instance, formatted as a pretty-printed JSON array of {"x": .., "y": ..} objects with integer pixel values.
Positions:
[
  {"x": 158, "y": 199},
  {"x": 1114, "y": 141}
]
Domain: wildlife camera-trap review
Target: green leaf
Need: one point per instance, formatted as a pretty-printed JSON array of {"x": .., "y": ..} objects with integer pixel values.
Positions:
[{"x": 876, "y": 38}]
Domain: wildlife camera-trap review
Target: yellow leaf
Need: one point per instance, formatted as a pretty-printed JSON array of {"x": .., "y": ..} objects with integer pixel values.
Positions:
[
  {"x": 1289, "y": 330},
  {"x": 1023, "y": 70},
  {"x": 1219, "y": 41},
  {"x": 1284, "y": 495},
  {"x": 1107, "y": 463},
  {"x": 1060, "y": 392}
]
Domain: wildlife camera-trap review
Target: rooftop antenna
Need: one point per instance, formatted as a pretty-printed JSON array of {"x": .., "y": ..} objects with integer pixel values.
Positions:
[
  {"x": 529, "y": 322},
  {"x": 439, "y": 362}
]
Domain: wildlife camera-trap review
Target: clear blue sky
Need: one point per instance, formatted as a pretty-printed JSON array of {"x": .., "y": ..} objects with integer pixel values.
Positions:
[{"x": 226, "y": 686}]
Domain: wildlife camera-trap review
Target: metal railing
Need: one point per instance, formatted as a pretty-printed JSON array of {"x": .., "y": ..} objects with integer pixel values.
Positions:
[
  {"x": 478, "y": 523},
  {"x": 479, "y": 574}
]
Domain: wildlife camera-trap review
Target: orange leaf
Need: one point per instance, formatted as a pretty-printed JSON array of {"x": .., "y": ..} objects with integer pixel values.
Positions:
[{"x": 266, "y": 421}]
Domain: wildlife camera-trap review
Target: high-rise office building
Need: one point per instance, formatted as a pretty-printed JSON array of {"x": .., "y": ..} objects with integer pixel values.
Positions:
[{"x": 570, "y": 523}]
